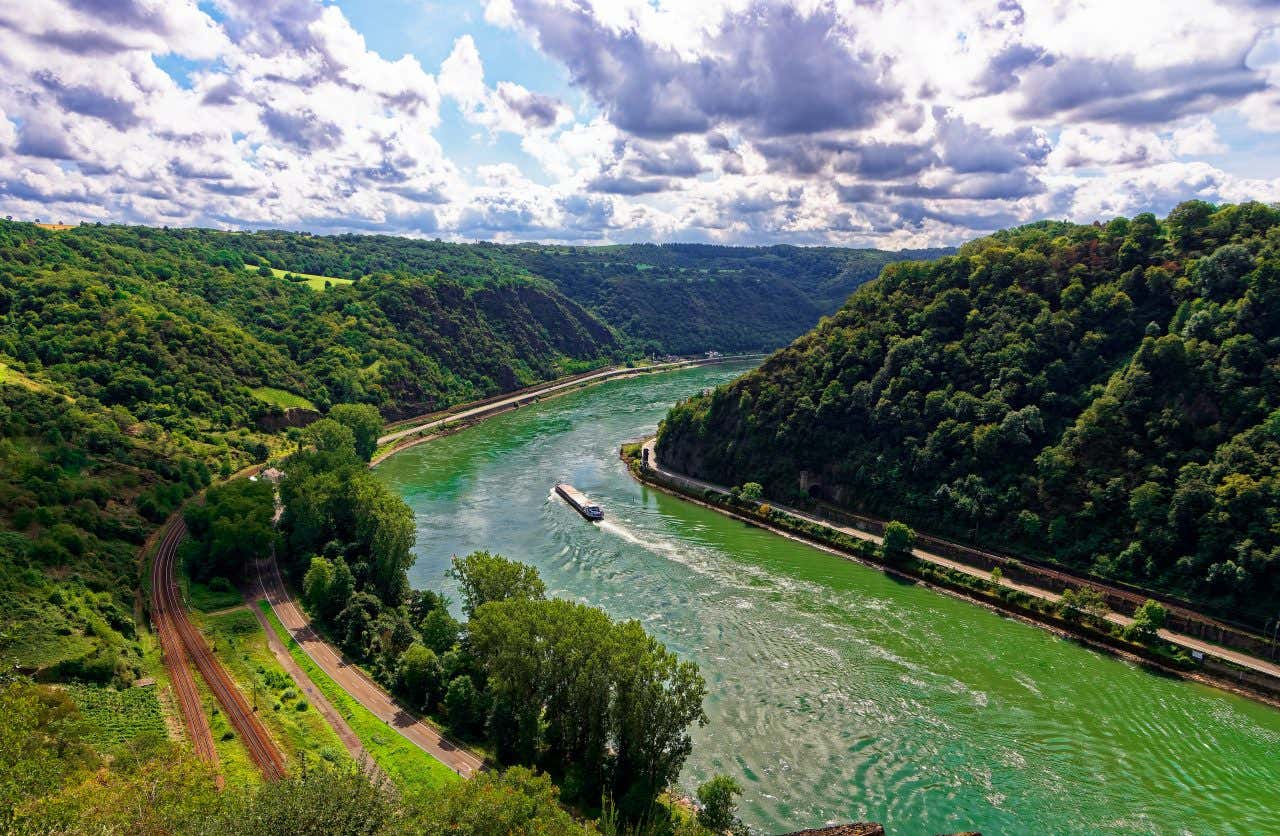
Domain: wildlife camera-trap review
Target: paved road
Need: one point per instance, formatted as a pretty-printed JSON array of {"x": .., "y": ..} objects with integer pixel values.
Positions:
[
  {"x": 315, "y": 696},
  {"x": 171, "y": 613},
  {"x": 539, "y": 391},
  {"x": 351, "y": 679},
  {"x": 1180, "y": 639}
]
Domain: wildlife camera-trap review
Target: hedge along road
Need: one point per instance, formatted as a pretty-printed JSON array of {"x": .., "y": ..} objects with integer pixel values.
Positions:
[{"x": 835, "y": 692}]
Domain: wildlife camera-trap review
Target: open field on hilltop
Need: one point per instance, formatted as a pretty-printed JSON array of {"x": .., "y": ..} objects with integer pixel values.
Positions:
[
  {"x": 283, "y": 398},
  {"x": 313, "y": 281},
  {"x": 295, "y": 725},
  {"x": 404, "y": 763}
]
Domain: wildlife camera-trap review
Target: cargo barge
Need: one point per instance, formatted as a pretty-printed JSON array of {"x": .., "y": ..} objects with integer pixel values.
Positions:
[{"x": 580, "y": 503}]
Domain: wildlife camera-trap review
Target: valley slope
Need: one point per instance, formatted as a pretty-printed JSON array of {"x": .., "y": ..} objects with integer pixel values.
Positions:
[{"x": 1102, "y": 396}]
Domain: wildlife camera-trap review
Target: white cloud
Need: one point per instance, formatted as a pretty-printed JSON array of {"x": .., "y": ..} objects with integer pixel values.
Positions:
[{"x": 909, "y": 123}]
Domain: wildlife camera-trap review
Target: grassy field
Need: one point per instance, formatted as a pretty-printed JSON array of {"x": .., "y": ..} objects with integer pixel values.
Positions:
[
  {"x": 283, "y": 399},
  {"x": 116, "y": 717},
  {"x": 406, "y": 765},
  {"x": 312, "y": 280},
  {"x": 292, "y": 721}
]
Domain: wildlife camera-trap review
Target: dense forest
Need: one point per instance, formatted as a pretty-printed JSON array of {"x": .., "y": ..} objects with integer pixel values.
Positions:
[
  {"x": 1104, "y": 396},
  {"x": 170, "y": 326},
  {"x": 688, "y": 298},
  {"x": 193, "y": 330},
  {"x": 671, "y": 298}
]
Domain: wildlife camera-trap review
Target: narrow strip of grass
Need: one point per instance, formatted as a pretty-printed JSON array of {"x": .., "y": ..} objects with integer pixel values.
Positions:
[
  {"x": 207, "y": 599},
  {"x": 405, "y": 764},
  {"x": 296, "y": 726},
  {"x": 233, "y": 757}
]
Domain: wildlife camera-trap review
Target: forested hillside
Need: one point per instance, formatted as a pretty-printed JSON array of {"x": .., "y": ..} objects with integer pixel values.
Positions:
[
  {"x": 1104, "y": 396},
  {"x": 171, "y": 325},
  {"x": 673, "y": 298},
  {"x": 688, "y": 298},
  {"x": 137, "y": 363}
]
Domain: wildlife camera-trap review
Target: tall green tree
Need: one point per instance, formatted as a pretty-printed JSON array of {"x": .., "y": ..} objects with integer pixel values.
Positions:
[
  {"x": 231, "y": 528},
  {"x": 365, "y": 423},
  {"x": 483, "y": 577}
]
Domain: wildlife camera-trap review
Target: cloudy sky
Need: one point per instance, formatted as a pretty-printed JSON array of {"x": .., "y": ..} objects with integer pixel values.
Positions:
[{"x": 891, "y": 124}]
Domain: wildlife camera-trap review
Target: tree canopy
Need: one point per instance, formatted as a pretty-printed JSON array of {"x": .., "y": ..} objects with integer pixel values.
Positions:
[{"x": 1101, "y": 395}]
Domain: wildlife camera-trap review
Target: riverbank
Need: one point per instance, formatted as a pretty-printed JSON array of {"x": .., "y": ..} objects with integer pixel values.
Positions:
[
  {"x": 1184, "y": 657},
  {"x": 436, "y": 424},
  {"x": 835, "y": 690}
]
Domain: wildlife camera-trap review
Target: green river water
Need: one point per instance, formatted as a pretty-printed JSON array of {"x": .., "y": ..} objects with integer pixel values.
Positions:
[{"x": 835, "y": 693}]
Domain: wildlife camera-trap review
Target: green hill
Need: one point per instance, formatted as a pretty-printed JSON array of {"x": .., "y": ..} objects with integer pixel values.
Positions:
[
  {"x": 169, "y": 324},
  {"x": 1103, "y": 396}
]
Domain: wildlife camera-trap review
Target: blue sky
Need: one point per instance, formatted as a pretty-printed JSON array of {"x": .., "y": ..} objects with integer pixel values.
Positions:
[{"x": 915, "y": 123}]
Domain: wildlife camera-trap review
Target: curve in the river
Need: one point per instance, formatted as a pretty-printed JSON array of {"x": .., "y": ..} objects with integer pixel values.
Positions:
[{"x": 836, "y": 693}]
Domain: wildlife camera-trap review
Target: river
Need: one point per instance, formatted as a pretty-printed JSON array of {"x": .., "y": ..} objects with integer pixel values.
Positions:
[{"x": 835, "y": 693}]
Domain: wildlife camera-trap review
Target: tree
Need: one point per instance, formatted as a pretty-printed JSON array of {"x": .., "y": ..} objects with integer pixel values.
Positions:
[
  {"x": 659, "y": 698},
  {"x": 384, "y": 533},
  {"x": 462, "y": 705},
  {"x": 41, "y": 743},
  {"x": 419, "y": 675},
  {"x": 898, "y": 540},
  {"x": 329, "y": 436},
  {"x": 365, "y": 423},
  {"x": 354, "y": 624},
  {"x": 515, "y": 800},
  {"x": 313, "y": 802},
  {"x": 752, "y": 491},
  {"x": 341, "y": 588},
  {"x": 483, "y": 577},
  {"x": 231, "y": 528},
  {"x": 575, "y": 691},
  {"x": 439, "y": 630},
  {"x": 1085, "y": 601},
  {"x": 718, "y": 798},
  {"x": 316, "y": 584},
  {"x": 1147, "y": 619}
]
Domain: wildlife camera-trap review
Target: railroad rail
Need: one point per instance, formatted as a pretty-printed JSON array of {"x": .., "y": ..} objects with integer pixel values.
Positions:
[
  {"x": 173, "y": 615},
  {"x": 175, "y": 657}
]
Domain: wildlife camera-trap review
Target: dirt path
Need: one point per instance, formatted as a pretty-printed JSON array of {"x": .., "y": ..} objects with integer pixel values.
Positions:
[
  {"x": 351, "y": 679},
  {"x": 1180, "y": 639},
  {"x": 314, "y": 695}
]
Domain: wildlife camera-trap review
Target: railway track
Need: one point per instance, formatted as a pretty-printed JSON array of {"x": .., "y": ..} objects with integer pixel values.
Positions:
[
  {"x": 175, "y": 656},
  {"x": 171, "y": 618}
]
